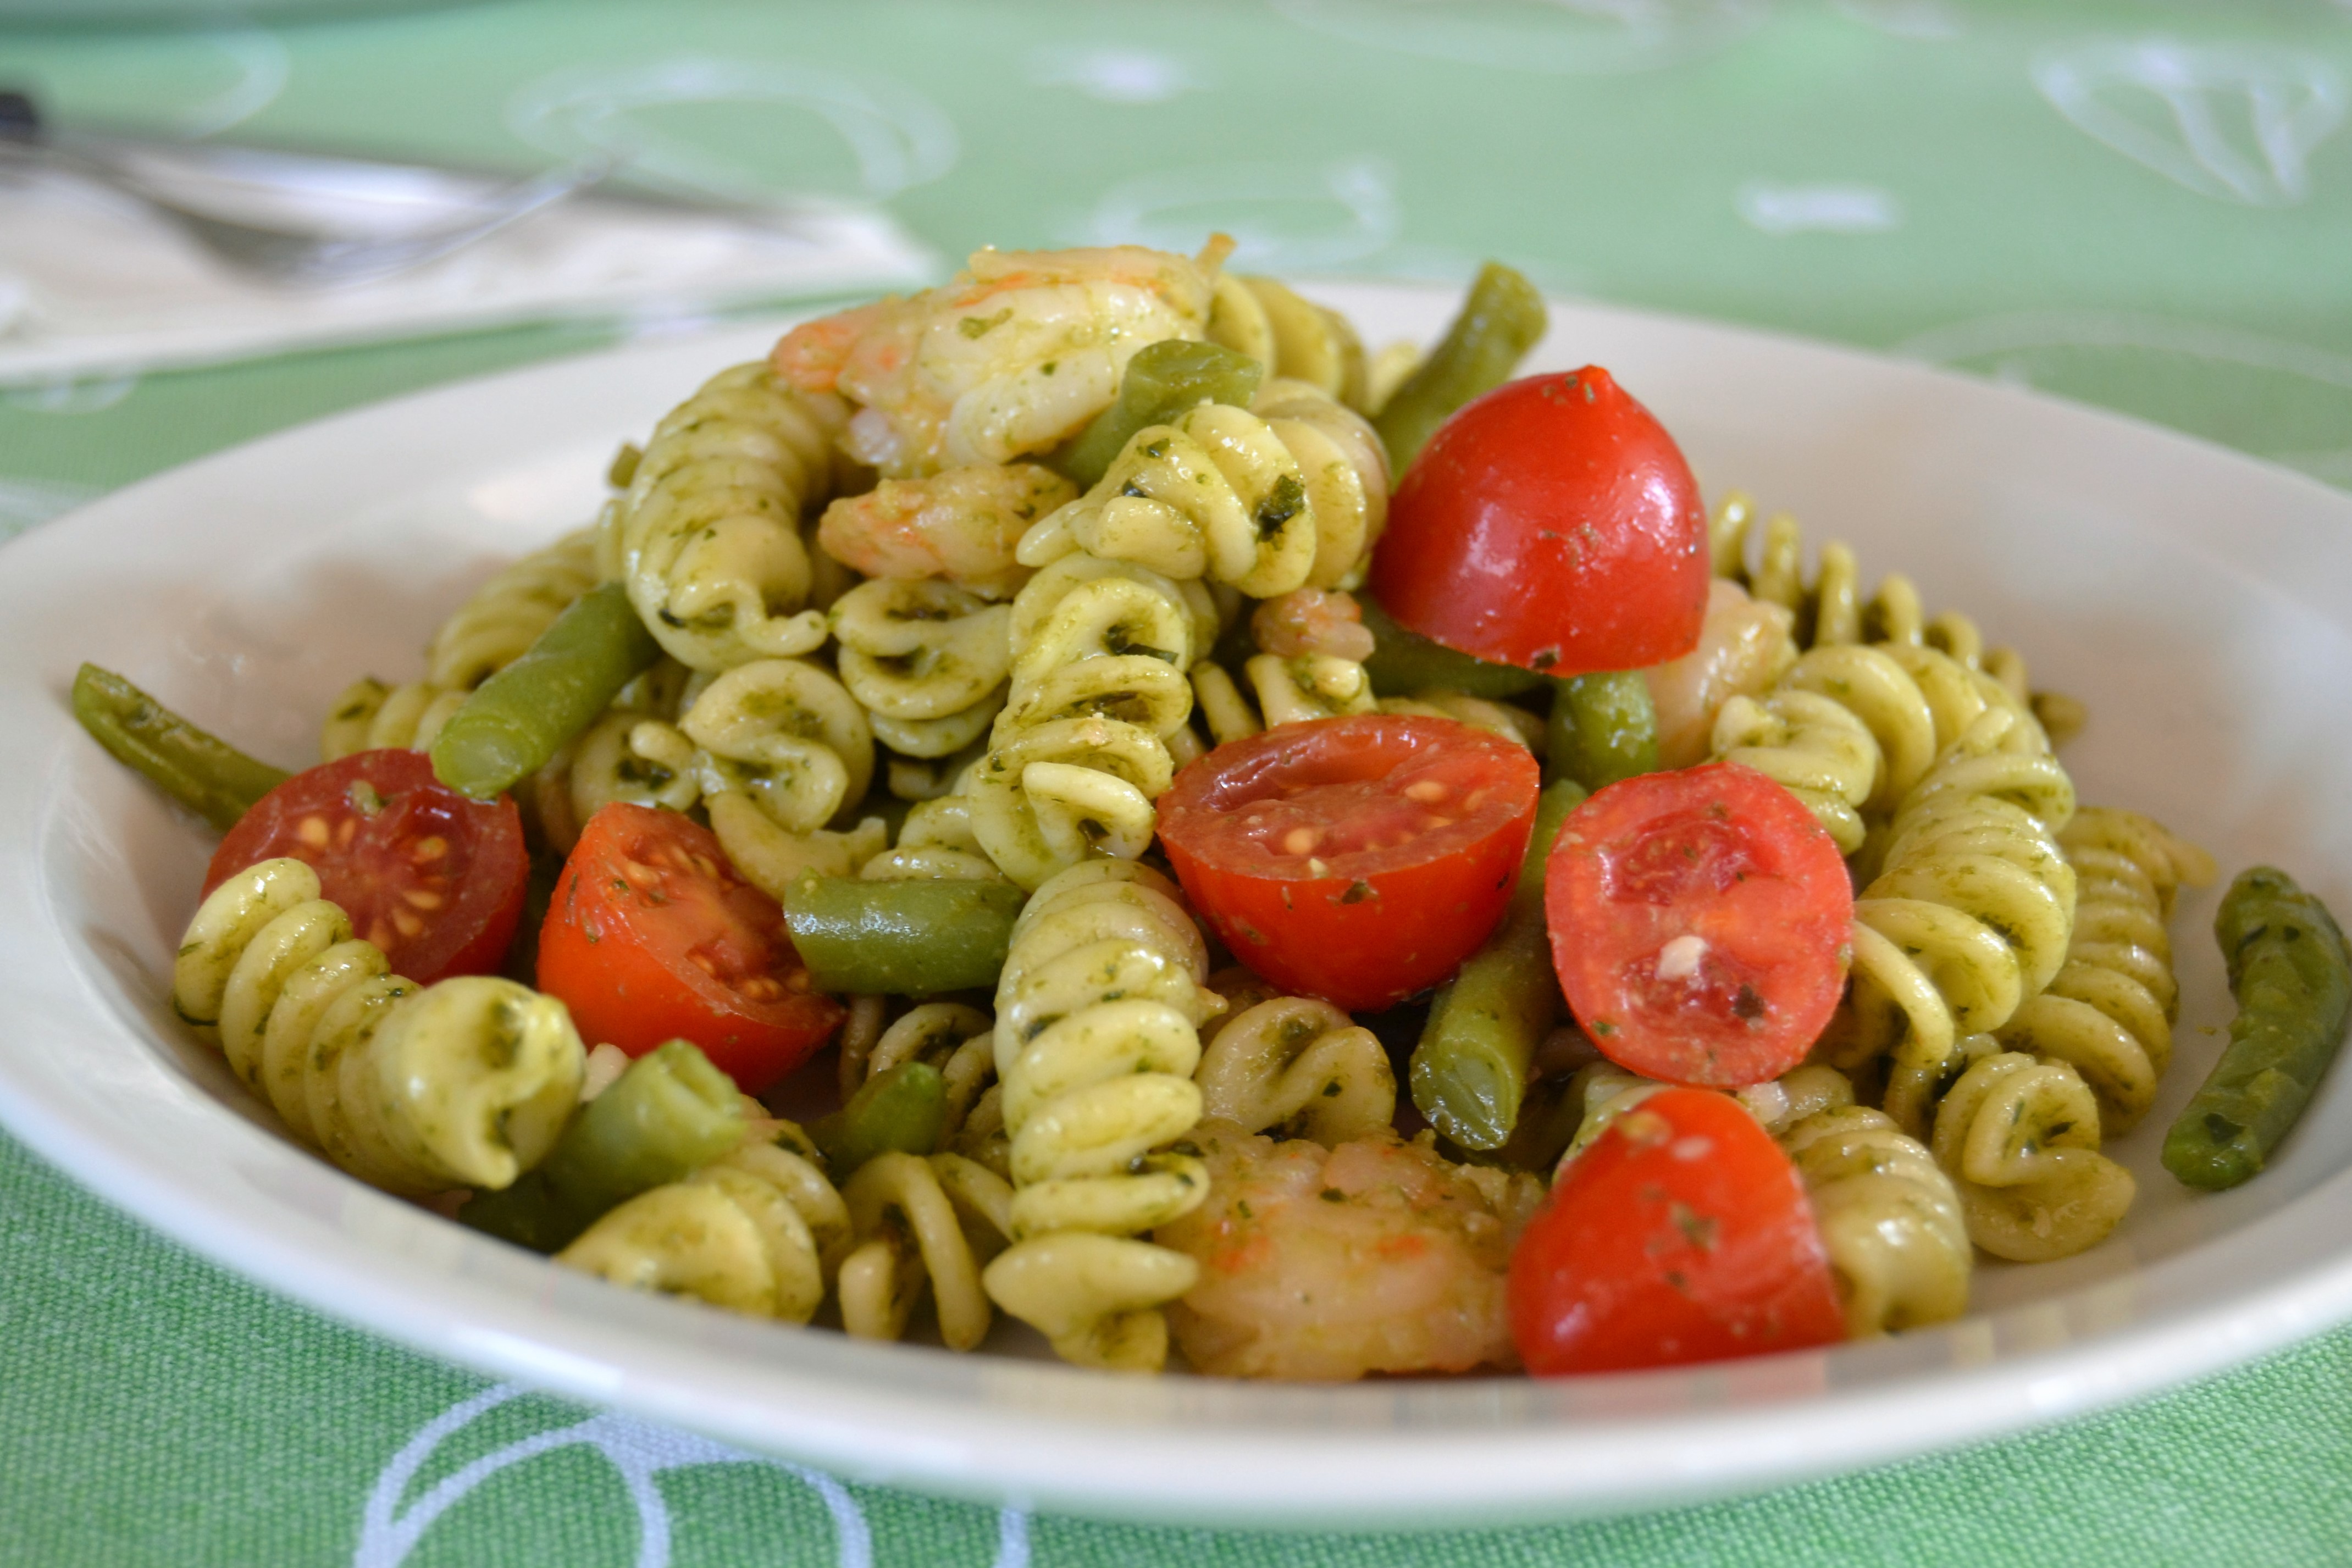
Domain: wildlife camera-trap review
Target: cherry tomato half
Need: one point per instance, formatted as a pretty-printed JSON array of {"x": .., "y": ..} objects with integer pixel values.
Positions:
[
  {"x": 1361, "y": 859},
  {"x": 434, "y": 878},
  {"x": 1683, "y": 1234},
  {"x": 1701, "y": 923},
  {"x": 1551, "y": 524},
  {"x": 653, "y": 937}
]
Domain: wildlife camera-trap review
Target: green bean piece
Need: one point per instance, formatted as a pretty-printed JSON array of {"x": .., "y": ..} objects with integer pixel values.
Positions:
[
  {"x": 1602, "y": 729},
  {"x": 903, "y": 1111},
  {"x": 1501, "y": 318},
  {"x": 900, "y": 938},
  {"x": 670, "y": 1115},
  {"x": 207, "y": 775},
  {"x": 523, "y": 714},
  {"x": 1404, "y": 663},
  {"x": 1469, "y": 1072},
  {"x": 2292, "y": 974},
  {"x": 1160, "y": 384}
]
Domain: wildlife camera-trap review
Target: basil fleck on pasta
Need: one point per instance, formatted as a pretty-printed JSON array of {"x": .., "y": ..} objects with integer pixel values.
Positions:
[
  {"x": 1096, "y": 1017},
  {"x": 414, "y": 1089}
]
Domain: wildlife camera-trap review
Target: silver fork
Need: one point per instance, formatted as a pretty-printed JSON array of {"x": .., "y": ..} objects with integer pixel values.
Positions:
[{"x": 456, "y": 210}]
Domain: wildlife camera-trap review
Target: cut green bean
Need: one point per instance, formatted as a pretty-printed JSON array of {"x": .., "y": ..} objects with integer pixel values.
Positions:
[
  {"x": 900, "y": 938},
  {"x": 670, "y": 1115},
  {"x": 522, "y": 715},
  {"x": 1470, "y": 1071},
  {"x": 1160, "y": 384},
  {"x": 207, "y": 775},
  {"x": 1602, "y": 729},
  {"x": 1501, "y": 318},
  {"x": 1404, "y": 663},
  {"x": 902, "y": 1111},
  {"x": 2292, "y": 975}
]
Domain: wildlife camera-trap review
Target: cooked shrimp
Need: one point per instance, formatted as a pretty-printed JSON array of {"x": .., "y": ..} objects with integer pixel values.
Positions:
[
  {"x": 1743, "y": 648},
  {"x": 1307, "y": 621},
  {"x": 1328, "y": 1264},
  {"x": 960, "y": 523},
  {"x": 1014, "y": 355}
]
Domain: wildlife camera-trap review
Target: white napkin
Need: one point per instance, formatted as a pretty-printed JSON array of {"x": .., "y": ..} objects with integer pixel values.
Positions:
[{"x": 93, "y": 283}]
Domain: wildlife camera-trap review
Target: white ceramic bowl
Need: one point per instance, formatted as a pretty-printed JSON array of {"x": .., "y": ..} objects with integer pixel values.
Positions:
[{"x": 2198, "y": 600}]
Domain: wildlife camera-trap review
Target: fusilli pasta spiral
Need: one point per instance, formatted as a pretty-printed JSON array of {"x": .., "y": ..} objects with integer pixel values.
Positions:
[
  {"x": 414, "y": 1089},
  {"x": 929, "y": 660},
  {"x": 1888, "y": 1217},
  {"x": 1096, "y": 1015},
  {"x": 1296, "y": 1067},
  {"x": 2108, "y": 1013},
  {"x": 1291, "y": 337},
  {"x": 759, "y": 1230},
  {"x": 708, "y": 535},
  {"x": 2021, "y": 1140}
]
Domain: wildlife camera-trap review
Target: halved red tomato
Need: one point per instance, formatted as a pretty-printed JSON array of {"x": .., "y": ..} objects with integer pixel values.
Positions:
[
  {"x": 433, "y": 877},
  {"x": 1702, "y": 923},
  {"x": 1683, "y": 1234},
  {"x": 653, "y": 937},
  {"x": 1359, "y": 858},
  {"x": 1553, "y": 525}
]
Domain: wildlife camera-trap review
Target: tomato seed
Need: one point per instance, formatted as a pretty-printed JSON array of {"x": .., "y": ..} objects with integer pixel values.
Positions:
[
  {"x": 408, "y": 924},
  {"x": 379, "y": 933},
  {"x": 421, "y": 898},
  {"x": 313, "y": 831},
  {"x": 1426, "y": 791},
  {"x": 1298, "y": 841},
  {"x": 431, "y": 849},
  {"x": 344, "y": 834}
]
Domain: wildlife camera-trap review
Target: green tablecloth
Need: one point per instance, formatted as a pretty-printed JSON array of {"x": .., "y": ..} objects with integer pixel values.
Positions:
[{"x": 2145, "y": 205}]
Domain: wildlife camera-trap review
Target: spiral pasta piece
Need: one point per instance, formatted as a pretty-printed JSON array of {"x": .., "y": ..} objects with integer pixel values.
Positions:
[
  {"x": 1081, "y": 750},
  {"x": 2021, "y": 1140},
  {"x": 1286, "y": 496},
  {"x": 708, "y": 537},
  {"x": 1291, "y": 337},
  {"x": 1296, "y": 1067},
  {"x": 1970, "y": 915},
  {"x": 1097, "y": 1019},
  {"x": 929, "y": 660},
  {"x": 414, "y": 1089},
  {"x": 922, "y": 1224},
  {"x": 369, "y": 716},
  {"x": 759, "y": 1230},
  {"x": 2109, "y": 1012},
  {"x": 1889, "y": 1218}
]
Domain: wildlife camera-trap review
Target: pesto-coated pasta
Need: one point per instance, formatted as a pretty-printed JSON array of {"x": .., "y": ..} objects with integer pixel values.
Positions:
[
  {"x": 2019, "y": 1139},
  {"x": 1291, "y": 337},
  {"x": 759, "y": 1230},
  {"x": 1097, "y": 1042},
  {"x": 1296, "y": 1067},
  {"x": 2109, "y": 1012},
  {"x": 414, "y": 1089},
  {"x": 929, "y": 660},
  {"x": 1891, "y": 1222},
  {"x": 707, "y": 537},
  {"x": 922, "y": 1223}
]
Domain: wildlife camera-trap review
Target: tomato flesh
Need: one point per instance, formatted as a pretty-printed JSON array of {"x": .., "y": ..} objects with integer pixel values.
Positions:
[
  {"x": 1552, "y": 524},
  {"x": 1701, "y": 923},
  {"x": 652, "y": 937},
  {"x": 433, "y": 877},
  {"x": 1682, "y": 1235},
  {"x": 1359, "y": 860}
]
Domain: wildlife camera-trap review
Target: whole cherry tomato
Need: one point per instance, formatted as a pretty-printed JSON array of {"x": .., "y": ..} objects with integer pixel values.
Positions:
[
  {"x": 433, "y": 877},
  {"x": 1702, "y": 923},
  {"x": 1358, "y": 859},
  {"x": 653, "y": 937},
  {"x": 1683, "y": 1234},
  {"x": 1551, "y": 524}
]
